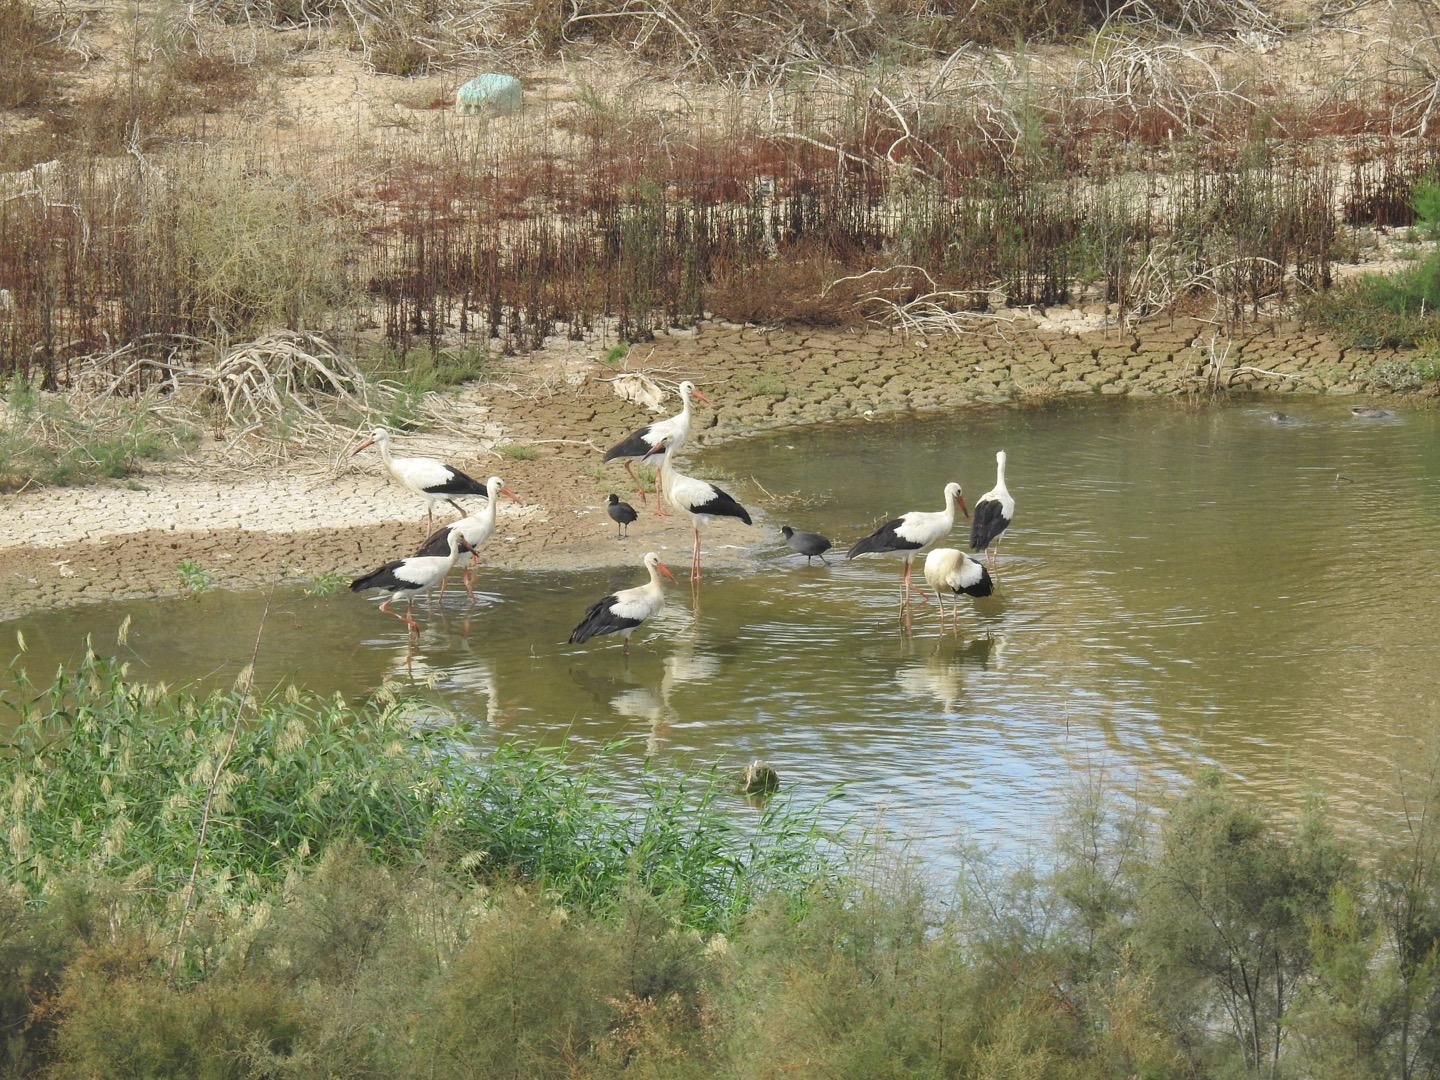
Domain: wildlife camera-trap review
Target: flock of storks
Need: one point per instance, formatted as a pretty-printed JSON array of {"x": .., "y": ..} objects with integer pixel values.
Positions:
[{"x": 945, "y": 569}]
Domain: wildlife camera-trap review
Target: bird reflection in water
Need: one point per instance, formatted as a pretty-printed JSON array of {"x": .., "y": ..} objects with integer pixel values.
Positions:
[
  {"x": 471, "y": 673},
  {"x": 941, "y": 675},
  {"x": 652, "y": 705}
]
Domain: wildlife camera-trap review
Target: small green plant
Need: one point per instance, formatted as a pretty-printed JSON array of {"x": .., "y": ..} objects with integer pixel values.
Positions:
[
  {"x": 1425, "y": 198},
  {"x": 325, "y": 584},
  {"x": 194, "y": 577},
  {"x": 517, "y": 451},
  {"x": 771, "y": 385},
  {"x": 616, "y": 353}
]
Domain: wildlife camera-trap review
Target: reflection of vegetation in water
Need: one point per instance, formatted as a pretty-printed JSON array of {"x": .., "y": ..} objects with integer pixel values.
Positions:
[{"x": 347, "y": 915}]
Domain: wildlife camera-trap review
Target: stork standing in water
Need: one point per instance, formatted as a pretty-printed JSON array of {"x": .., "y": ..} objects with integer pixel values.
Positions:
[
  {"x": 432, "y": 480},
  {"x": 622, "y": 612},
  {"x": 993, "y": 513},
  {"x": 911, "y": 532},
  {"x": 648, "y": 443},
  {"x": 700, "y": 499},
  {"x": 474, "y": 528},
  {"x": 406, "y": 577},
  {"x": 951, "y": 570}
]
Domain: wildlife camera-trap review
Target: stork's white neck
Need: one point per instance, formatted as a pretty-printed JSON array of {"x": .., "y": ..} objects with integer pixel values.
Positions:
[{"x": 1000, "y": 471}]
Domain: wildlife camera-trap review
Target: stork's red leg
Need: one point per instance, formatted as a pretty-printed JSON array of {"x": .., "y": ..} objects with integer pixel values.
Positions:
[
  {"x": 469, "y": 588},
  {"x": 639, "y": 487}
]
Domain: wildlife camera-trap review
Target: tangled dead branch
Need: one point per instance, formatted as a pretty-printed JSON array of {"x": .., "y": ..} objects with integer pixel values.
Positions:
[{"x": 285, "y": 388}]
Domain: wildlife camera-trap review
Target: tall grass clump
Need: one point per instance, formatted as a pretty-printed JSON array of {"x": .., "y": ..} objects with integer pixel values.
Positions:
[{"x": 108, "y": 776}]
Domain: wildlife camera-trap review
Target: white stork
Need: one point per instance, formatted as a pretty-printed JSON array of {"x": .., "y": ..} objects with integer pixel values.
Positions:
[
  {"x": 432, "y": 480},
  {"x": 910, "y": 532},
  {"x": 993, "y": 513},
  {"x": 648, "y": 443},
  {"x": 406, "y": 577},
  {"x": 474, "y": 528},
  {"x": 949, "y": 569},
  {"x": 622, "y": 612},
  {"x": 700, "y": 499}
]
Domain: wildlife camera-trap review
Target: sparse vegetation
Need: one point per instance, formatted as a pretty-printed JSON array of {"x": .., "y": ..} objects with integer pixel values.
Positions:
[
  {"x": 517, "y": 451},
  {"x": 60, "y": 440},
  {"x": 194, "y": 577},
  {"x": 1392, "y": 310},
  {"x": 326, "y": 584}
]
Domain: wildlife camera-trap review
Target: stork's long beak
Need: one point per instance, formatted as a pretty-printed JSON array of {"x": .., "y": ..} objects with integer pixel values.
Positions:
[
  {"x": 963, "y": 508},
  {"x": 664, "y": 570},
  {"x": 698, "y": 396},
  {"x": 362, "y": 446},
  {"x": 464, "y": 545},
  {"x": 504, "y": 490}
]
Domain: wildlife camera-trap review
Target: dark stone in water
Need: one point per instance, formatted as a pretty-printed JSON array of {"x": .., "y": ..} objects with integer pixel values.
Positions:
[
  {"x": 759, "y": 779},
  {"x": 1369, "y": 412},
  {"x": 1280, "y": 418}
]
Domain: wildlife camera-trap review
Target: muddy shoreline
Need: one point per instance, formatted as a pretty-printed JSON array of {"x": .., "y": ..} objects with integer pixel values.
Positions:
[{"x": 331, "y": 514}]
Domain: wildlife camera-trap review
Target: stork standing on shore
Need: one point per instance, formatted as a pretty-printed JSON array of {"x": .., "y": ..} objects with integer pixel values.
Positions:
[
  {"x": 909, "y": 533},
  {"x": 622, "y": 612},
  {"x": 432, "y": 480},
  {"x": 993, "y": 513},
  {"x": 406, "y": 577},
  {"x": 648, "y": 444},
  {"x": 700, "y": 499},
  {"x": 474, "y": 528},
  {"x": 950, "y": 570}
]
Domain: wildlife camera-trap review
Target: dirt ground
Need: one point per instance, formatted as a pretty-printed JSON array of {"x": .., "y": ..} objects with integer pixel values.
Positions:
[{"x": 331, "y": 513}]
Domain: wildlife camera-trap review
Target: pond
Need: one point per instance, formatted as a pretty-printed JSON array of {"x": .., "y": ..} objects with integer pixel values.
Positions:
[{"x": 1182, "y": 587}]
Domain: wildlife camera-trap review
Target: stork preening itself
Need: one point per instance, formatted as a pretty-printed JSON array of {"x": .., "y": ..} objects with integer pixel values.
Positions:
[
  {"x": 648, "y": 444},
  {"x": 811, "y": 545},
  {"x": 951, "y": 570},
  {"x": 993, "y": 513},
  {"x": 622, "y": 513},
  {"x": 700, "y": 499},
  {"x": 911, "y": 532},
  {"x": 475, "y": 529},
  {"x": 623, "y": 612},
  {"x": 406, "y": 577},
  {"x": 432, "y": 480}
]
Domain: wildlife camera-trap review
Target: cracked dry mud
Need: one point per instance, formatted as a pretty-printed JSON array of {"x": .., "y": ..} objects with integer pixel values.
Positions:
[{"x": 336, "y": 514}]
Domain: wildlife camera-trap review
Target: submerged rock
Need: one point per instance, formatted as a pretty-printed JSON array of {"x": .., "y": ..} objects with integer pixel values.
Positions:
[
  {"x": 1280, "y": 418},
  {"x": 759, "y": 779},
  {"x": 1369, "y": 412}
]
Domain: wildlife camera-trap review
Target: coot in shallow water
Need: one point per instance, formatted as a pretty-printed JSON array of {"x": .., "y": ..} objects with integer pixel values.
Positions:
[{"x": 806, "y": 543}]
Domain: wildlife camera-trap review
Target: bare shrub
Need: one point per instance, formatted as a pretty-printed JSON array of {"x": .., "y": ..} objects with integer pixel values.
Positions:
[{"x": 28, "y": 54}]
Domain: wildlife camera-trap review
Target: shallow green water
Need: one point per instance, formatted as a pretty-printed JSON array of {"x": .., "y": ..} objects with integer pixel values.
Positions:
[{"x": 1181, "y": 587}]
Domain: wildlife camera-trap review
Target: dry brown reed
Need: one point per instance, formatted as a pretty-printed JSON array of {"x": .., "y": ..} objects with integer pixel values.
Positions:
[{"x": 1150, "y": 172}]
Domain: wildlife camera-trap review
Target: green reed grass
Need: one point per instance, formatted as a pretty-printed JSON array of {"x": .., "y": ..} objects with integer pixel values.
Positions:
[{"x": 108, "y": 776}]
